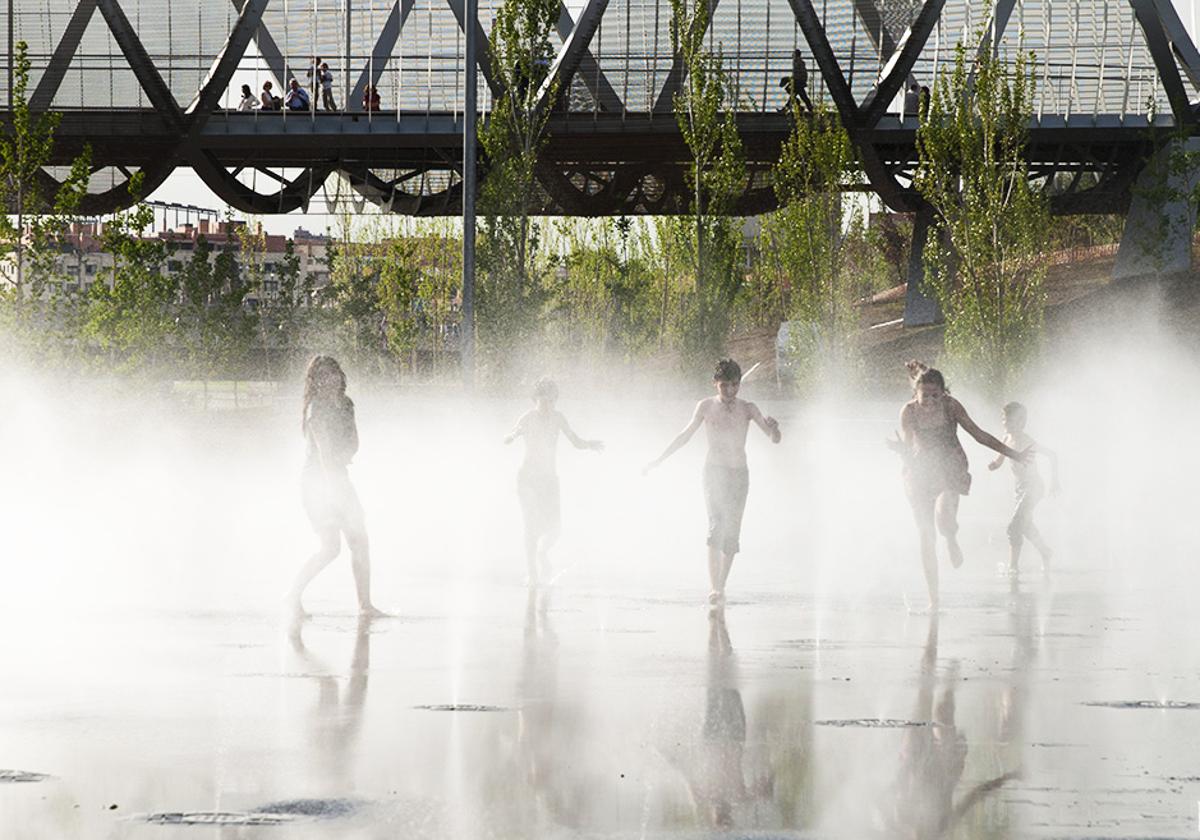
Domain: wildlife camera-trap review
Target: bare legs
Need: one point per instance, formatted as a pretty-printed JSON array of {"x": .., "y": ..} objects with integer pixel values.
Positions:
[
  {"x": 719, "y": 564},
  {"x": 348, "y": 520},
  {"x": 537, "y": 551},
  {"x": 1021, "y": 528},
  {"x": 934, "y": 514}
]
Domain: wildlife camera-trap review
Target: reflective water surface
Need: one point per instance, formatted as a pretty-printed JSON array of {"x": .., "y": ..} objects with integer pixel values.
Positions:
[{"x": 576, "y": 712}]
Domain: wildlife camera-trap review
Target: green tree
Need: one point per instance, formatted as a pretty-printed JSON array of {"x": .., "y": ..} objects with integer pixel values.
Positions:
[
  {"x": 40, "y": 304},
  {"x": 132, "y": 316},
  {"x": 510, "y": 292},
  {"x": 807, "y": 241},
  {"x": 986, "y": 254},
  {"x": 704, "y": 113}
]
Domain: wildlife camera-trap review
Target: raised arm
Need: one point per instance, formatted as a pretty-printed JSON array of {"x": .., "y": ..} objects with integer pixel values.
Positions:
[
  {"x": 769, "y": 425},
  {"x": 518, "y": 429},
  {"x": 576, "y": 440},
  {"x": 681, "y": 438},
  {"x": 990, "y": 441}
]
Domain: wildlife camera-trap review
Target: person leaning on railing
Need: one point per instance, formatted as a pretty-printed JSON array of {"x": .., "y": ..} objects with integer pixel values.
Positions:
[
  {"x": 270, "y": 102},
  {"x": 370, "y": 100}
]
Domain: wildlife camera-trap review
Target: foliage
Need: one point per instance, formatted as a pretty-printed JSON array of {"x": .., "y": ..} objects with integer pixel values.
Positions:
[
  {"x": 806, "y": 243},
  {"x": 988, "y": 269},
  {"x": 704, "y": 112},
  {"x": 510, "y": 293},
  {"x": 37, "y": 308}
]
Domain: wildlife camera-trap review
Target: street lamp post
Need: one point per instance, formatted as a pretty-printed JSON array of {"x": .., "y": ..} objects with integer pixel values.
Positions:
[{"x": 470, "y": 112}]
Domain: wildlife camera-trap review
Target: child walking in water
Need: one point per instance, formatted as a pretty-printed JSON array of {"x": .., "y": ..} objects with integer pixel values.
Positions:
[
  {"x": 726, "y": 475},
  {"x": 1029, "y": 487},
  {"x": 935, "y": 465},
  {"x": 329, "y": 498},
  {"x": 537, "y": 480}
]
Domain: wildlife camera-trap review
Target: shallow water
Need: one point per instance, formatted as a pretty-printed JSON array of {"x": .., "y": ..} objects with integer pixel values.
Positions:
[{"x": 151, "y": 688}]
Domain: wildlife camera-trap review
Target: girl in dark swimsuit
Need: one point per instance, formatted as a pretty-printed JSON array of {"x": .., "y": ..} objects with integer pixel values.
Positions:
[
  {"x": 330, "y": 500},
  {"x": 935, "y": 465}
]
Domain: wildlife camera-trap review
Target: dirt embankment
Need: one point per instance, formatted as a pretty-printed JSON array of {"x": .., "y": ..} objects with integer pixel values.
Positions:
[{"x": 1080, "y": 297}]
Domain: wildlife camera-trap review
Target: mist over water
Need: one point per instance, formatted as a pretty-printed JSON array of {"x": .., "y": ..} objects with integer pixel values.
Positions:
[{"x": 148, "y": 545}]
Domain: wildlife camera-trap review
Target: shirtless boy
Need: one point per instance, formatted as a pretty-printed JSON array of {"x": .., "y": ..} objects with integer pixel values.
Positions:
[
  {"x": 1029, "y": 487},
  {"x": 726, "y": 476},
  {"x": 537, "y": 480}
]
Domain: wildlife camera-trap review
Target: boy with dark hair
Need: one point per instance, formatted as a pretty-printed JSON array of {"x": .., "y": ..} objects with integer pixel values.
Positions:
[
  {"x": 726, "y": 476},
  {"x": 1029, "y": 487},
  {"x": 537, "y": 480}
]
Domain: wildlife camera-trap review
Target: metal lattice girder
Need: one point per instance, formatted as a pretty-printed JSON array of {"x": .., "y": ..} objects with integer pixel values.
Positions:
[
  {"x": 1181, "y": 42},
  {"x": 48, "y": 85},
  {"x": 576, "y": 56},
  {"x": 226, "y": 63},
  {"x": 899, "y": 66},
  {"x": 1164, "y": 59},
  {"x": 665, "y": 101},
  {"x": 485, "y": 61},
  {"x": 139, "y": 61},
  {"x": 382, "y": 51}
]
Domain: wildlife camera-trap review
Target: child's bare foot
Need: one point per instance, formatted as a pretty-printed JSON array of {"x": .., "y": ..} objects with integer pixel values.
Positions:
[
  {"x": 716, "y": 598},
  {"x": 372, "y": 611},
  {"x": 956, "y": 555}
]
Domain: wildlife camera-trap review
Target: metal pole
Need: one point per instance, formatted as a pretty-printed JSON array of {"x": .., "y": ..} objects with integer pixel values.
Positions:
[
  {"x": 470, "y": 111},
  {"x": 346, "y": 95},
  {"x": 11, "y": 46}
]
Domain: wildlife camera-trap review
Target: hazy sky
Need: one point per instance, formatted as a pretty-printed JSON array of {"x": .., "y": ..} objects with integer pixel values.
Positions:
[{"x": 185, "y": 187}]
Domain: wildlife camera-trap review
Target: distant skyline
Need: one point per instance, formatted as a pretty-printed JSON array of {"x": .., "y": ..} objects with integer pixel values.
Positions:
[{"x": 184, "y": 187}]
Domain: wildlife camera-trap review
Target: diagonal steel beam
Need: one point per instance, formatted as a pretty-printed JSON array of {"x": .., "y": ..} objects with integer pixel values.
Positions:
[
  {"x": 576, "y": 40},
  {"x": 485, "y": 53},
  {"x": 827, "y": 63},
  {"x": 48, "y": 85},
  {"x": 900, "y": 65},
  {"x": 877, "y": 30},
  {"x": 140, "y": 63},
  {"x": 270, "y": 52},
  {"x": 591, "y": 74},
  {"x": 675, "y": 74},
  {"x": 1181, "y": 42},
  {"x": 1164, "y": 59},
  {"x": 381, "y": 53},
  {"x": 225, "y": 64}
]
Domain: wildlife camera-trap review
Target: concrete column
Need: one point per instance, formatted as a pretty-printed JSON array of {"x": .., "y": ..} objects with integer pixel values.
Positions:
[
  {"x": 1157, "y": 239},
  {"x": 920, "y": 306}
]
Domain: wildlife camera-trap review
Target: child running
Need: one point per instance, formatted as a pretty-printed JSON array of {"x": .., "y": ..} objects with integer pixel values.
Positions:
[
  {"x": 726, "y": 476},
  {"x": 935, "y": 465},
  {"x": 1029, "y": 487},
  {"x": 537, "y": 480},
  {"x": 329, "y": 498}
]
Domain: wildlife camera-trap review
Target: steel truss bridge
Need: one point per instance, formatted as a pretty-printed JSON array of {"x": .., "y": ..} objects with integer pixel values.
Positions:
[{"x": 152, "y": 86}]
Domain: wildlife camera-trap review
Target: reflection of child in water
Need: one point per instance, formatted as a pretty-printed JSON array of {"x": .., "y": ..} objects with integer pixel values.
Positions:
[
  {"x": 330, "y": 500},
  {"x": 537, "y": 480},
  {"x": 1029, "y": 487}
]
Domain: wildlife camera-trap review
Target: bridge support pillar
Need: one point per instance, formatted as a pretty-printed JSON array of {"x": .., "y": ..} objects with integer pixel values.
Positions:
[
  {"x": 1157, "y": 239},
  {"x": 920, "y": 307}
]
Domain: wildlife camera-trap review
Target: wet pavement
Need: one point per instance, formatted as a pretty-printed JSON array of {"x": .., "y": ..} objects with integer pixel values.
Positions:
[{"x": 1036, "y": 708}]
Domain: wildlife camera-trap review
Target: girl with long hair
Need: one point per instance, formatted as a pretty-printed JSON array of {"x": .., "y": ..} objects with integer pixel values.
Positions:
[
  {"x": 332, "y": 505},
  {"x": 935, "y": 465}
]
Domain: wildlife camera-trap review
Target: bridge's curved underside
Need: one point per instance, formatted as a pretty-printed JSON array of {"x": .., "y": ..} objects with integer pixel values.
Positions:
[{"x": 1113, "y": 77}]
